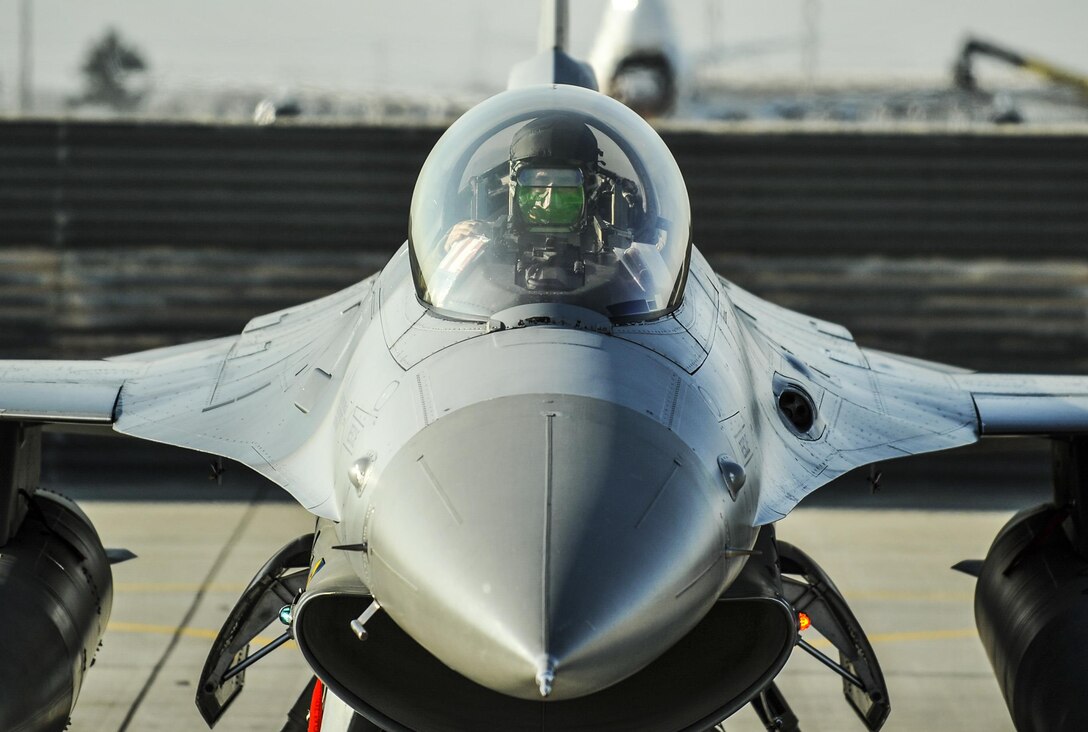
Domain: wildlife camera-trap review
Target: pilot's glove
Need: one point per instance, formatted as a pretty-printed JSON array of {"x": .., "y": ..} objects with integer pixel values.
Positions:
[{"x": 463, "y": 231}]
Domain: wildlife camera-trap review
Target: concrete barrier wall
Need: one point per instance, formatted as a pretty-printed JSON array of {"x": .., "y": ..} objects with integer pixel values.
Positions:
[{"x": 968, "y": 248}]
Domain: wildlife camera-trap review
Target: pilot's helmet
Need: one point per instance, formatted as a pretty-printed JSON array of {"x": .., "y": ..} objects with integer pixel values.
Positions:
[
  {"x": 553, "y": 164},
  {"x": 556, "y": 176}
]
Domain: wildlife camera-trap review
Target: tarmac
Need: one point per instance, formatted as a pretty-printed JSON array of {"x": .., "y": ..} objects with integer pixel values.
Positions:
[{"x": 195, "y": 557}]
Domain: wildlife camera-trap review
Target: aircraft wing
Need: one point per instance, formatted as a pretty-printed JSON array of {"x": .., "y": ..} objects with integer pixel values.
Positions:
[
  {"x": 260, "y": 398},
  {"x": 874, "y": 406},
  {"x": 62, "y": 392},
  {"x": 1019, "y": 404}
]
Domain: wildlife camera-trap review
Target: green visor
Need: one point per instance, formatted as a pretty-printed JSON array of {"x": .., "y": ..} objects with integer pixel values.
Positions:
[{"x": 550, "y": 198}]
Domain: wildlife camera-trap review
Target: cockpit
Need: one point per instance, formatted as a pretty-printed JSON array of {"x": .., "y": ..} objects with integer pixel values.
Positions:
[{"x": 550, "y": 194}]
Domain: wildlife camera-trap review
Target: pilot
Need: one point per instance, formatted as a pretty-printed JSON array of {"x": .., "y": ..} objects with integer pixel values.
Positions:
[
  {"x": 554, "y": 163},
  {"x": 562, "y": 208},
  {"x": 554, "y": 182}
]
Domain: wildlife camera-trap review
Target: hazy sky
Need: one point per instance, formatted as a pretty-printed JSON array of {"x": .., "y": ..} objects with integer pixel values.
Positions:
[{"x": 470, "y": 44}]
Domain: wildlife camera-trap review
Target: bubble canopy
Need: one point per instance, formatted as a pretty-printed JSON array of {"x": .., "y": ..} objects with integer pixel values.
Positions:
[{"x": 550, "y": 194}]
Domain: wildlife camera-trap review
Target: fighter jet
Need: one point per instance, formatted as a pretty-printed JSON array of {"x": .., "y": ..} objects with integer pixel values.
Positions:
[
  {"x": 637, "y": 58},
  {"x": 545, "y": 447}
]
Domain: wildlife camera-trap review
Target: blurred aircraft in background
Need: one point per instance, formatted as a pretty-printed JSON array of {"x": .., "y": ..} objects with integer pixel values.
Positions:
[{"x": 637, "y": 59}]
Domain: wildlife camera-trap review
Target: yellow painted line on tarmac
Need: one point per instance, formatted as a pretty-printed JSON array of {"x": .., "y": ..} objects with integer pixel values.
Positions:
[
  {"x": 903, "y": 636},
  {"x": 923, "y": 635},
  {"x": 908, "y": 636},
  {"x": 203, "y": 633},
  {"x": 147, "y": 629},
  {"x": 167, "y": 587},
  {"x": 902, "y": 596}
]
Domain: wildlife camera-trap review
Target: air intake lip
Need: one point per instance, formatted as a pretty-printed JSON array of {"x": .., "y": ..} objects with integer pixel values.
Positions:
[{"x": 395, "y": 683}]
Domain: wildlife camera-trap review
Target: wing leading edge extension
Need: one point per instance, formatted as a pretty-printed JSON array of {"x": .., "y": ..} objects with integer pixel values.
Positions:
[
  {"x": 874, "y": 406},
  {"x": 264, "y": 398}
]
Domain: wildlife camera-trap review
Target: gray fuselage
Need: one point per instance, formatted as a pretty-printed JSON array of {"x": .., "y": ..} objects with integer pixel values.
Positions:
[{"x": 544, "y": 502}]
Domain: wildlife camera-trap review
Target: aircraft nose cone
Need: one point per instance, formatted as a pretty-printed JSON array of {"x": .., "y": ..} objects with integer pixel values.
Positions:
[{"x": 546, "y": 545}]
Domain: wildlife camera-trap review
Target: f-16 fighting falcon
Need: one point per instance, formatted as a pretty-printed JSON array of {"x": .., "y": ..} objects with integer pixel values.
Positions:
[{"x": 546, "y": 447}]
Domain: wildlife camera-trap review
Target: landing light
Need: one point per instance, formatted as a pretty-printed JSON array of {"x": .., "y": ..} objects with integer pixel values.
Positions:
[{"x": 803, "y": 621}]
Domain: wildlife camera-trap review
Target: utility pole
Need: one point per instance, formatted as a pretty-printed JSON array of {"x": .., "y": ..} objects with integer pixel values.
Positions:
[
  {"x": 810, "y": 53},
  {"x": 714, "y": 25},
  {"x": 26, "y": 61}
]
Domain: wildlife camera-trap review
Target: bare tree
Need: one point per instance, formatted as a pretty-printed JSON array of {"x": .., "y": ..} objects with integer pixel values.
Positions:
[{"x": 112, "y": 72}]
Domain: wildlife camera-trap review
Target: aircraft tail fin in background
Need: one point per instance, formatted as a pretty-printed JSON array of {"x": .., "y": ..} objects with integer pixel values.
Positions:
[{"x": 552, "y": 65}]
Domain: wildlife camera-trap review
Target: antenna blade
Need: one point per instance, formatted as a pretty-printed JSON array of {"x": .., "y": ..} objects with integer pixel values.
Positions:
[
  {"x": 554, "y": 21},
  {"x": 552, "y": 65}
]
